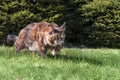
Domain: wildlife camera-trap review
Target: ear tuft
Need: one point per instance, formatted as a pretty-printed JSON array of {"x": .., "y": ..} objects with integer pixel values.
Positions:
[{"x": 63, "y": 26}]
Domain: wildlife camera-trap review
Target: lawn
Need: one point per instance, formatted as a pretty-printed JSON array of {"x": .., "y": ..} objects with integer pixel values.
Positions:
[{"x": 70, "y": 64}]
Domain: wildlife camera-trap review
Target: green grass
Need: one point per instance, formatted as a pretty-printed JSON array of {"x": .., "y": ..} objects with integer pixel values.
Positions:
[{"x": 70, "y": 64}]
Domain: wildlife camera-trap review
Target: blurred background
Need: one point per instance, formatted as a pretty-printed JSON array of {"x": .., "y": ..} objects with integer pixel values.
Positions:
[{"x": 89, "y": 23}]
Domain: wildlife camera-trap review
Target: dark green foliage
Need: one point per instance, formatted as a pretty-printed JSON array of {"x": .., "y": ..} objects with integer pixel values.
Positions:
[
  {"x": 103, "y": 21},
  {"x": 92, "y": 23}
]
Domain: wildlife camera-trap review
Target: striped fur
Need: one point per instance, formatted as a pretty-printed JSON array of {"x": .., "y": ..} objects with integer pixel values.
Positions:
[{"x": 41, "y": 37}]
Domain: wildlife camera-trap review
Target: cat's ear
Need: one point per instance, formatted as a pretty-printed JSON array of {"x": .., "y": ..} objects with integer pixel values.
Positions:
[{"x": 63, "y": 26}]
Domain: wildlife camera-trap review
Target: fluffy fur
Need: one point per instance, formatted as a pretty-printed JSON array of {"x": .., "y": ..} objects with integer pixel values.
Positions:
[
  {"x": 11, "y": 39},
  {"x": 41, "y": 37}
]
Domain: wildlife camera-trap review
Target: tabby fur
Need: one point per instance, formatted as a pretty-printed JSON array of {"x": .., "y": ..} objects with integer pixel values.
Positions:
[{"x": 40, "y": 37}]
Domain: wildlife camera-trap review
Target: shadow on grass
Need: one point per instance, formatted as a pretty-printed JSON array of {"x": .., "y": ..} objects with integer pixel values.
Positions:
[
  {"x": 65, "y": 57},
  {"x": 77, "y": 59}
]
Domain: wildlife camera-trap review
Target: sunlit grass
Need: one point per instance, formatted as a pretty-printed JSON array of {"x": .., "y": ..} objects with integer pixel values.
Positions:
[{"x": 70, "y": 64}]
